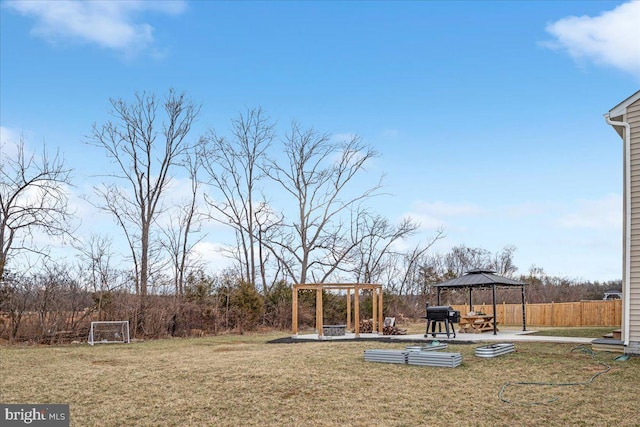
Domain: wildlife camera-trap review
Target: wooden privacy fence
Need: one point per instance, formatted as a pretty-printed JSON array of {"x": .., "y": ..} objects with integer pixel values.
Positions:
[{"x": 581, "y": 313}]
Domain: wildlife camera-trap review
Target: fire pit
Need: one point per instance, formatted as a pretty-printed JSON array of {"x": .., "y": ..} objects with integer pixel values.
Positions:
[
  {"x": 439, "y": 314},
  {"x": 334, "y": 330}
]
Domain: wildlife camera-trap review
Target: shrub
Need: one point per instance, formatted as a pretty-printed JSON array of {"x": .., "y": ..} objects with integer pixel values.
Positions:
[
  {"x": 247, "y": 306},
  {"x": 278, "y": 304}
]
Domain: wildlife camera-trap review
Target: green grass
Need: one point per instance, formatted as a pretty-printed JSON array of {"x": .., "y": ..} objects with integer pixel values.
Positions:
[
  {"x": 243, "y": 381},
  {"x": 592, "y": 332}
]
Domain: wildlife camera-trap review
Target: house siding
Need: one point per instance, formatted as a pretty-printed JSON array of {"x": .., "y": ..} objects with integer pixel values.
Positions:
[{"x": 632, "y": 117}]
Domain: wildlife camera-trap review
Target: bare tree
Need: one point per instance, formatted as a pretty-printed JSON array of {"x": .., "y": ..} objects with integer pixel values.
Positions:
[
  {"x": 404, "y": 271},
  {"x": 503, "y": 261},
  {"x": 317, "y": 173},
  {"x": 432, "y": 271},
  {"x": 376, "y": 246},
  {"x": 268, "y": 224},
  {"x": 182, "y": 225},
  {"x": 18, "y": 297},
  {"x": 462, "y": 259},
  {"x": 95, "y": 262},
  {"x": 145, "y": 149},
  {"x": 234, "y": 169},
  {"x": 33, "y": 198},
  {"x": 412, "y": 279}
]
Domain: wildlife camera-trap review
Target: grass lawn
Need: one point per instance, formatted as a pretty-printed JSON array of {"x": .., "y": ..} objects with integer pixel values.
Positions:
[
  {"x": 587, "y": 332},
  {"x": 243, "y": 381}
]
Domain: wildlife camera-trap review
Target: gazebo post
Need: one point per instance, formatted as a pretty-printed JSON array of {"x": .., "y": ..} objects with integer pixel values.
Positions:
[
  {"x": 438, "y": 296},
  {"x": 524, "y": 314},
  {"x": 495, "y": 314},
  {"x": 470, "y": 300}
]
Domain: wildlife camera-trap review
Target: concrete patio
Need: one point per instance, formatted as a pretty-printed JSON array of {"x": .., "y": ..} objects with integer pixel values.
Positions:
[{"x": 462, "y": 338}]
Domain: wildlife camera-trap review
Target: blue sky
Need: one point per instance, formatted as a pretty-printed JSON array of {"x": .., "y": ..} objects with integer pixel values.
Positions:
[{"x": 487, "y": 115}]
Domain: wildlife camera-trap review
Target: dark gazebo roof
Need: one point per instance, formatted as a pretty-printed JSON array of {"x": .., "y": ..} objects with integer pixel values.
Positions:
[
  {"x": 479, "y": 278},
  {"x": 484, "y": 279}
]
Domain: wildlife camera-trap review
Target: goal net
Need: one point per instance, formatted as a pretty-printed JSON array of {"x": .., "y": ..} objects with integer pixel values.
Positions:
[{"x": 109, "y": 332}]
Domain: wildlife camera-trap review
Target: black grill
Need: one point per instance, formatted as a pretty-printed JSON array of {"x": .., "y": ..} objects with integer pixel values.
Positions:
[{"x": 441, "y": 314}]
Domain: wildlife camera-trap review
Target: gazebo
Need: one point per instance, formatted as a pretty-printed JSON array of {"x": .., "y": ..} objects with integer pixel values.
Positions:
[
  {"x": 484, "y": 279},
  {"x": 349, "y": 287}
]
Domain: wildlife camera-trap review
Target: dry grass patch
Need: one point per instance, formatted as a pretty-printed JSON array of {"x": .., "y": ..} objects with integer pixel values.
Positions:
[{"x": 241, "y": 380}]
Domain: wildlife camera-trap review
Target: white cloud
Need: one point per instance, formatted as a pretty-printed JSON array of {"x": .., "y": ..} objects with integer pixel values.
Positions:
[
  {"x": 9, "y": 135},
  {"x": 604, "y": 214},
  {"x": 609, "y": 39},
  {"x": 213, "y": 255},
  {"x": 390, "y": 133},
  {"x": 343, "y": 137},
  {"x": 109, "y": 24},
  {"x": 440, "y": 208},
  {"x": 571, "y": 237},
  {"x": 435, "y": 215},
  {"x": 9, "y": 140},
  {"x": 539, "y": 209}
]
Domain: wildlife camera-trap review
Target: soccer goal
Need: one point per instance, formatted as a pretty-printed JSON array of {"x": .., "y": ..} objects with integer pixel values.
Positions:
[{"x": 109, "y": 332}]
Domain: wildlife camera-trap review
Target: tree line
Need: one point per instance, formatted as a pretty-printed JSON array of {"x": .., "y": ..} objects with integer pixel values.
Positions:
[
  {"x": 295, "y": 202},
  {"x": 58, "y": 302}
]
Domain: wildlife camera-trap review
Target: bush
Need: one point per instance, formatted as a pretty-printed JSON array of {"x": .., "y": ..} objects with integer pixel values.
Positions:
[
  {"x": 278, "y": 303},
  {"x": 247, "y": 306}
]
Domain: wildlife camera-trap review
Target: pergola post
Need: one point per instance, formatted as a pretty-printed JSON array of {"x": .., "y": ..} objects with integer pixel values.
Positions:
[
  {"x": 374, "y": 310},
  {"x": 348, "y": 309},
  {"x": 319, "y": 310},
  {"x": 356, "y": 303},
  {"x": 294, "y": 310},
  {"x": 380, "y": 312}
]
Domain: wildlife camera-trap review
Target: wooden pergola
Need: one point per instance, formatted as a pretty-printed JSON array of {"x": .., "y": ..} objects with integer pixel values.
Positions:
[{"x": 354, "y": 288}]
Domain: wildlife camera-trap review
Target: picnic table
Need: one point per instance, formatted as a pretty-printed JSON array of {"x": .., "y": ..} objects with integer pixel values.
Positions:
[{"x": 476, "y": 323}]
